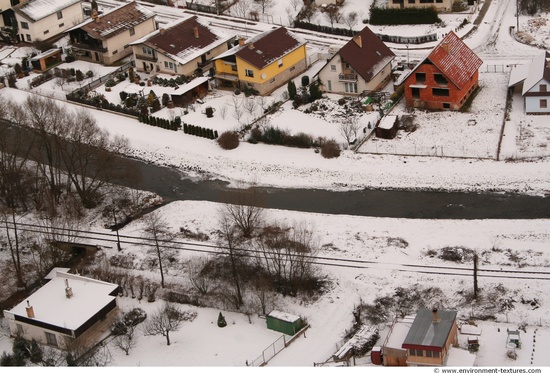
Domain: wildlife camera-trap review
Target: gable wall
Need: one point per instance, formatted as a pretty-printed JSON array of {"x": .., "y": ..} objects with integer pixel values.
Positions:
[
  {"x": 428, "y": 100},
  {"x": 533, "y": 98},
  {"x": 117, "y": 42},
  {"x": 72, "y": 15}
]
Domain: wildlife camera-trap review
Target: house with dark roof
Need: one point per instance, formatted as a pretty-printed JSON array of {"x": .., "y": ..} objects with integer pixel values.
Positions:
[
  {"x": 533, "y": 81},
  {"x": 439, "y": 5},
  {"x": 181, "y": 47},
  {"x": 46, "y": 19},
  {"x": 7, "y": 16},
  {"x": 264, "y": 62},
  {"x": 446, "y": 78},
  {"x": 106, "y": 38},
  {"x": 67, "y": 309},
  {"x": 430, "y": 337},
  {"x": 361, "y": 65}
]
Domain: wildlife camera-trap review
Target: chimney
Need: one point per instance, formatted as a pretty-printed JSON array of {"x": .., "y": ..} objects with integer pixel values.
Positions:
[
  {"x": 358, "y": 41},
  {"x": 445, "y": 46},
  {"x": 30, "y": 311},
  {"x": 196, "y": 31},
  {"x": 251, "y": 46},
  {"x": 162, "y": 31},
  {"x": 94, "y": 13},
  {"x": 435, "y": 315},
  {"x": 97, "y": 19},
  {"x": 68, "y": 289},
  {"x": 241, "y": 42}
]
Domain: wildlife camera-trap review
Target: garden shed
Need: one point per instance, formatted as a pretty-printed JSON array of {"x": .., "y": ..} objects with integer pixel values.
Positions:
[
  {"x": 387, "y": 128},
  {"x": 47, "y": 59},
  {"x": 284, "y": 322}
]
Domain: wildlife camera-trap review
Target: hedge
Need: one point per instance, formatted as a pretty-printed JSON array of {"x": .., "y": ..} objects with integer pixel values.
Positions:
[{"x": 407, "y": 16}]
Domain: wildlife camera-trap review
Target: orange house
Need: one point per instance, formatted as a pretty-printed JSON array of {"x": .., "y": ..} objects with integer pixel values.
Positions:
[{"x": 446, "y": 78}]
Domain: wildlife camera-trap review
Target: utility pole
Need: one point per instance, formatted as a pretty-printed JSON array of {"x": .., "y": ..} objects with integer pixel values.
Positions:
[
  {"x": 116, "y": 229},
  {"x": 517, "y": 16}
]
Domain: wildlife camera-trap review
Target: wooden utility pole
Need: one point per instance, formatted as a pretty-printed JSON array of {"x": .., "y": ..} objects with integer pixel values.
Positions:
[{"x": 475, "y": 276}]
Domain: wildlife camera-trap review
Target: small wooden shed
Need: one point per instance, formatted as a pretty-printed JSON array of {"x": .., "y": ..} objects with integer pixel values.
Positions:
[
  {"x": 46, "y": 60},
  {"x": 284, "y": 322},
  {"x": 387, "y": 128}
]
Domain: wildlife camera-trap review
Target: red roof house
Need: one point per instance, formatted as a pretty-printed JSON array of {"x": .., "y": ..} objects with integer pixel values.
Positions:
[{"x": 446, "y": 78}]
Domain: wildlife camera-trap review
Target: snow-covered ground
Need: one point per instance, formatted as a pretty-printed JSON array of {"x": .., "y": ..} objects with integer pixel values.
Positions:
[{"x": 510, "y": 244}]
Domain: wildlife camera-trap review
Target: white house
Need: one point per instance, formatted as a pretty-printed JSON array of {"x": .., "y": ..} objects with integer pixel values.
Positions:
[
  {"x": 106, "y": 38},
  {"x": 181, "y": 47},
  {"x": 68, "y": 308},
  {"x": 534, "y": 81},
  {"x": 45, "y": 19},
  {"x": 363, "y": 64},
  {"x": 7, "y": 16},
  {"x": 440, "y": 5}
]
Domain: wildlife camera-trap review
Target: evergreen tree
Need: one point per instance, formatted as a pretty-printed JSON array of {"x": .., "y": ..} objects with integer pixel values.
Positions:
[
  {"x": 291, "y": 87},
  {"x": 221, "y": 321}
]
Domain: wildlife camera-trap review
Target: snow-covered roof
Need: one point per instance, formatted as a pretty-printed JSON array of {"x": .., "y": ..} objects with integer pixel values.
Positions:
[
  {"x": 427, "y": 332},
  {"x": 470, "y": 329},
  {"x": 115, "y": 21},
  {"x": 184, "y": 40},
  {"x": 51, "y": 305},
  {"x": 538, "y": 70},
  {"x": 53, "y": 272},
  {"x": 283, "y": 316},
  {"x": 47, "y": 53},
  {"x": 518, "y": 74},
  {"x": 38, "y": 9},
  {"x": 399, "y": 332},
  {"x": 388, "y": 122}
]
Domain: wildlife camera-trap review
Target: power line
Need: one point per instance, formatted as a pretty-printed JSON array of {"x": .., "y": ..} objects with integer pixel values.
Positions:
[{"x": 217, "y": 249}]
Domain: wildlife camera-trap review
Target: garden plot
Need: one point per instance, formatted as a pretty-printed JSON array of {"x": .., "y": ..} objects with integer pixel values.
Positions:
[{"x": 471, "y": 134}]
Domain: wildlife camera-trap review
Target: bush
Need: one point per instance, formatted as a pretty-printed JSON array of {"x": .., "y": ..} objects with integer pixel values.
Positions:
[
  {"x": 229, "y": 140},
  {"x": 291, "y": 87},
  {"x": 89, "y": 74},
  {"x": 249, "y": 91},
  {"x": 237, "y": 91},
  {"x": 330, "y": 149},
  {"x": 79, "y": 76},
  {"x": 407, "y": 16},
  {"x": 110, "y": 83},
  {"x": 123, "y": 95},
  {"x": 221, "y": 321}
]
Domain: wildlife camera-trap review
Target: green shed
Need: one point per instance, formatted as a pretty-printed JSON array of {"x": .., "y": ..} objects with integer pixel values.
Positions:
[{"x": 284, "y": 322}]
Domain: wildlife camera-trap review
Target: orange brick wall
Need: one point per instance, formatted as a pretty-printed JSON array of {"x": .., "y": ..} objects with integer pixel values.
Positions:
[{"x": 427, "y": 100}]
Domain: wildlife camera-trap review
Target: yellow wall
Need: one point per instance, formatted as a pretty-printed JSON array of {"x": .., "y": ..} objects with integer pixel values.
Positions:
[
  {"x": 270, "y": 70},
  {"x": 224, "y": 68}
]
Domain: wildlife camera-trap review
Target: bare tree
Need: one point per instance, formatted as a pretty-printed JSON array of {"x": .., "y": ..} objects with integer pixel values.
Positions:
[
  {"x": 243, "y": 209},
  {"x": 167, "y": 319},
  {"x": 223, "y": 111},
  {"x": 126, "y": 341},
  {"x": 241, "y": 8},
  {"x": 265, "y": 5},
  {"x": 290, "y": 15},
  {"x": 349, "y": 129},
  {"x": 157, "y": 235},
  {"x": 238, "y": 114},
  {"x": 333, "y": 15},
  {"x": 250, "y": 105},
  {"x": 351, "y": 19},
  {"x": 296, "y": 4},
  {"x": 199, "y": 280}
]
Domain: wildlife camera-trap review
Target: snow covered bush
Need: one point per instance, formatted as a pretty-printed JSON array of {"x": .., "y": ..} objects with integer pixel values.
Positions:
[{"x": 229, "y": 140}]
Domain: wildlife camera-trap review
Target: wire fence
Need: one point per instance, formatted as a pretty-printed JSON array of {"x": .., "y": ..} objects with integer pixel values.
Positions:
[
  {"x": 270, "y": 352},
  {"x": 375, "y": 147},
  {"x": 499, "y": 68},
  {"x": 102, "y": 79}
]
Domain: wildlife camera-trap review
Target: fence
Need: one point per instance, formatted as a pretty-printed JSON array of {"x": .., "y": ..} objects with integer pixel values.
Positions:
[
  {"x": 270, "y": 352},
  {"x": 499, "y": 68},
  {"x": 96, "y": 83},
  {"x": 376, "y": 147}
]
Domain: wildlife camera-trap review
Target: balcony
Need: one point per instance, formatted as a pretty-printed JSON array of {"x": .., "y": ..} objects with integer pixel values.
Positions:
[
  {"x": 347, "y": 77},
  {"x": 146, "y": 57},
  {"x": 204, "y": 64}
]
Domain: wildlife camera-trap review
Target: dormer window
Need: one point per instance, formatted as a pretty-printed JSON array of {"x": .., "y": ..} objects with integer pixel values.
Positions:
[
  {"x": 542, "y": 88},
  {"x": 59, "y": 14}
]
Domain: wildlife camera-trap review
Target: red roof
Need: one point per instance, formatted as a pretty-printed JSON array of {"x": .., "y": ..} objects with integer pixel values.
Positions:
[{"x": 455, "y": 59}]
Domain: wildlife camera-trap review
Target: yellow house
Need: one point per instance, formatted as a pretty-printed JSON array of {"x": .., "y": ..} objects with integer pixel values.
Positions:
[{"x": 264, "y": 62}]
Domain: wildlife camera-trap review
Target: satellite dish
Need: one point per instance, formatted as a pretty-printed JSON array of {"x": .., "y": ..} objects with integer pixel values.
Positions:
[{"x": 264, "y": 76}]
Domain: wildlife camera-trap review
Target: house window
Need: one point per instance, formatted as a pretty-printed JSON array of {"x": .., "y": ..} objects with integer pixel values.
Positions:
[
  {"x": 28, "y": 37},
  {"x": 446, "y": 105},
  {"x": 439, "y": 1},
  {"x": 126, "y": 46},
  {"x": 420, "y": 78},
  {"x": 280, "y": 62},
  {"x": 415, "y": 92},
  {"x": 59, "y": 14},
  {"x": 436, "y": 354},
  {"x": 148, "y": 51},
  {"x": 350, "y": 87},
  {"x": 292, "y": 68},
  {"x": 51, "y": 339},
  {"x": 329, "y": 84},
  {"x": 428, "y": 354},
  {"x": 24, "y": 25},
  {"x": 46, "y": 32},
  {"x": 233, "y": 67},
  {"x": 412, "y": 352},
  {"x": 440, "y": 92},
  {"x": 115, "y": 51},
  {"x": 249, "y": 73},
  {"x": 332, "y": 67},
  {"x": 272, "y": 80},
  {"x": 169, "y": 65},
  {"x": 419, "y": 353},
  {"x": 542, "y": 87},
  {"x": 544, "y": 104},
  {"x": 440, "y": 80},
  {"x": 132, "y": 31},
  {"x": 61, "y": 25},
  {"x": 411, "y": 1},
  {"x": 20, "y": 331}
]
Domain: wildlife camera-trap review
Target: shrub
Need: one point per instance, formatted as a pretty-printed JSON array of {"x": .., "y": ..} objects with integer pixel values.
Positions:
[
  {"x": 221, "y": 321},
  {"x": 314, "y": 92},
  {"x": 407, "y": 16},
  {"x": 300, "y": 140},
  {"x": 330, "y": 149},
  {"x": 229, "y": 140},
  {"x": 131, "y": 74},
  {"x": 291, "y": 87},
  {"x": 123, "y": 96},
  {"x": 305, "y": 81},
  {"x": 69, "y": 59},
  {"x": 79, "y": 76},
  {"x": 249, "y": 91},
  {"x": 110, "y": 83},
  {"x": 237, "y": 91},
  {"x": 89, "y": 74}
]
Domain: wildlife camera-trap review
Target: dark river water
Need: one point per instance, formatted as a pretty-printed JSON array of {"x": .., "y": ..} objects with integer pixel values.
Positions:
[{"x": 173, "y": 185}]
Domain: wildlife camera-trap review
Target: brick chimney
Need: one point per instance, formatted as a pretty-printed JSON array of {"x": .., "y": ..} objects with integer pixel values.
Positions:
[
  {"x": 435, "y": 318},
  {"x": 251, "y": 46},
  {"x": 30, "y": 311},
  {"x": 162, "y": 31},
  {"x": 68, "y": 289},
  {"x": 241, "y": 42},
  {"x": 358, "y": 41},
  {"x": 196, "y": 31}
]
